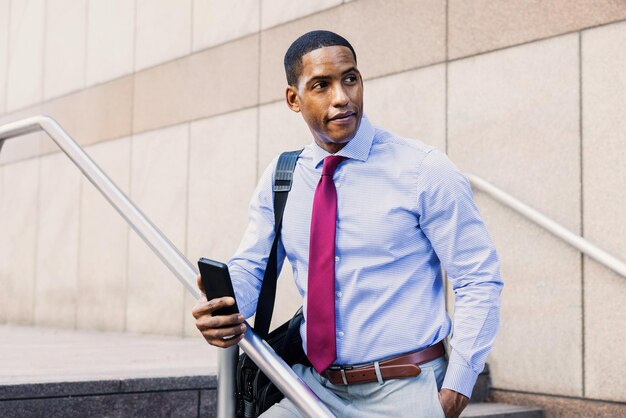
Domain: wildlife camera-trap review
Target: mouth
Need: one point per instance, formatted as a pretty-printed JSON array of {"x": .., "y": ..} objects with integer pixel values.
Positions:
[{"x": 342, "y": 117}]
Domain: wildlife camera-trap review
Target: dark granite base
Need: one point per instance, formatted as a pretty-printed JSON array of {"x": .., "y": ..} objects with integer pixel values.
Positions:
[
  {"x": 192, "y": 396},
  {"x": 155, "y": 404}
]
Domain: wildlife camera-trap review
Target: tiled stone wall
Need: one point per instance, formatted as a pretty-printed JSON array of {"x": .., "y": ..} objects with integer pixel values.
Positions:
[
  {"x": 103, "y": 246},
  {"x": 183, "y": 107},
  {"x": 513, "y": 118}
]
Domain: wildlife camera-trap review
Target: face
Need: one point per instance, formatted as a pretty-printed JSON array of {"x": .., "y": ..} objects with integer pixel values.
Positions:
[{"x": 329, "y": 95}]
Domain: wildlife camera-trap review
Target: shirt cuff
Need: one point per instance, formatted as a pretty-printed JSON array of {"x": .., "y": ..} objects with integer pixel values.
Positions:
[{"x": 460, "y": 378}]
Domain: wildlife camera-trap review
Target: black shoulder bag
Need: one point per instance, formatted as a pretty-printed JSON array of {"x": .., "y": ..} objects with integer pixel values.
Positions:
[{"x": 255, "y": 392}]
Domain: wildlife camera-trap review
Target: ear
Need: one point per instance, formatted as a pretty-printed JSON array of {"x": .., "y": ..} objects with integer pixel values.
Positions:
[{"x": 292, "y": 99}]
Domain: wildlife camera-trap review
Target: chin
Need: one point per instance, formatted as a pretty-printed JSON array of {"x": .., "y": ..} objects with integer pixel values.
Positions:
[{"x": 342, "y": 139}]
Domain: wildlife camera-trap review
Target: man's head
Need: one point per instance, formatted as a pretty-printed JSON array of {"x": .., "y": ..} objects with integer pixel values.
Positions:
[
  {"x": 306, "y": 43},
  {"x": 325, "y": 86}
]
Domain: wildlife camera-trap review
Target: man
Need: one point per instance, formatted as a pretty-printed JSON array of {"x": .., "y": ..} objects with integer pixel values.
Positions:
[{"x": 376, "y": 216}]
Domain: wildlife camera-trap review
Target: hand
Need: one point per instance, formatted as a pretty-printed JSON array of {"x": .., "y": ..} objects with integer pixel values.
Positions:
[
  {"x": 218, "y": 330},
  {"x": 452, "y": 403}
]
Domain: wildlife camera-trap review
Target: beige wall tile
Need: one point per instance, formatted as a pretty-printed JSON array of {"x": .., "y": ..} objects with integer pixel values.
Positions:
[
  {"x": 159, "y": 187},
  {"x": 605, "y": 316},
  {"x": 25, "y": 73},
  {"x": 110, "y": 39},
  {"x": 57, "y": 242},
  {"x": 222, "y": 177},
  {"x": 275, "y": 12},
  {"x": 539, "y": 343},
  {"x": 211, "y": 82},
  {"x": 216, "y": 22},
  {"x": 411, "y": 104},
  {"x": 513, "y": 118},
  {"x": 103, "y": 244},
  {"x": 163, "y": 31},
  {"x": 400, "y": 35},
  {"x": 66, "y": 31},
  {"x": 189, "y": 327},
  {"x": 22, "y": 147},
  {"x": 105, "y": 113},
  {"x": 280, "y": 130},
  {"x": 4, "y": 52},
  {"x": 482, "y": 25},
  {"x": 604, "y": 129},
  {"x": 18, "y": 223},
  {"x": 604, "y": 179}
]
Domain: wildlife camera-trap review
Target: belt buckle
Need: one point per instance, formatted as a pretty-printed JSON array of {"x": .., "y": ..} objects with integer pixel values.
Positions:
[{"x": 341, "y": 370}]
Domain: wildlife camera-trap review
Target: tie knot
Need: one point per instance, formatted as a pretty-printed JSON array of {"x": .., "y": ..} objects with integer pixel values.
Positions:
[{"x": 330, "y": 164}]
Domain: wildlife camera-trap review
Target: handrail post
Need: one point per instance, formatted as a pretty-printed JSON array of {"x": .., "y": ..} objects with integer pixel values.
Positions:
[
  {"x": 226, "y": 381},
  {"x": 258, "y": 351}
]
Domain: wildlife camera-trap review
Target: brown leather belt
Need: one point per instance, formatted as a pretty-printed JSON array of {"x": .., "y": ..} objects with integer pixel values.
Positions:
[{"x": 405, "y": 365}]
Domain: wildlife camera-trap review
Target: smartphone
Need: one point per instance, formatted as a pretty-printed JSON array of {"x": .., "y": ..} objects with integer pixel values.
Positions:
[{"x": 217, "y": 283}]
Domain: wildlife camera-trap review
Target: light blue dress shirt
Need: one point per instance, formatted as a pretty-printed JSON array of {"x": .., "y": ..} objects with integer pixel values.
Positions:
[{"x": 404, "y": 211}]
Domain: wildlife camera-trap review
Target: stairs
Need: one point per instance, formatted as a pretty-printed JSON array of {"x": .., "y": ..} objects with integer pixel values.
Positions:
[
  {"x": 500, "y": 410},
  {"x": 480, "y": 407},
  {"x": 66, "y": 373}
]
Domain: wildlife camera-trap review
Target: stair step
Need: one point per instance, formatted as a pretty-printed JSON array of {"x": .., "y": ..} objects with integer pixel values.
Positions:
[{"x": 500, "y": 410}]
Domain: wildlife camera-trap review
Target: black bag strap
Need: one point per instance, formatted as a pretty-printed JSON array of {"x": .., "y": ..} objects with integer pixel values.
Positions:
[{"x": 283, "y": 176}]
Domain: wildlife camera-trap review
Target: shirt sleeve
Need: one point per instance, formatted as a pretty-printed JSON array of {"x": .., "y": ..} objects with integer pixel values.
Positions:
[
  {"x": 247, "y": 266},
  {"x": 451, "y": 221}
]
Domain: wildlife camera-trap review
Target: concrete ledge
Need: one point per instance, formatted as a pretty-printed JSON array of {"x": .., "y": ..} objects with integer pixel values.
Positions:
[
  {"x": 30, "y": 355},
  {"x": 69, "y": 373}
]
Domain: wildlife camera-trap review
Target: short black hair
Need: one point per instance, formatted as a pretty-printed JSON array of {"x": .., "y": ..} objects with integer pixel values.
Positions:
[{"x": 308, "y": 42}]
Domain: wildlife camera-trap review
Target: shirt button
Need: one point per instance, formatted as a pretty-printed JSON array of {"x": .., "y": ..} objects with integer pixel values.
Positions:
[
  {"x": 339, "y": 294},
  {"x": 337, "y": 185},
  {"x": 340, "y": 334},
  {"x": 336, "y": 258}
]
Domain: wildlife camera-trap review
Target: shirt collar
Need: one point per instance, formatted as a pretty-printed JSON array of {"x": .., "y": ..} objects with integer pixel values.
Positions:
[{"x": 358, "y": 148}]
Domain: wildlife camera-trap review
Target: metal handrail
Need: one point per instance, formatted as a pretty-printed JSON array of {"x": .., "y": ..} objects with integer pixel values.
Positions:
[
  {"x": 259, "y": 351},
  {"x": 576, "y": 241},
  {"x": 267, "y": 360}
]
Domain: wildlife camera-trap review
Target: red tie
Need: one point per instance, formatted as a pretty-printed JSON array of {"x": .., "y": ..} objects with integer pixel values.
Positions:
[{"x": 320, "y": 329}]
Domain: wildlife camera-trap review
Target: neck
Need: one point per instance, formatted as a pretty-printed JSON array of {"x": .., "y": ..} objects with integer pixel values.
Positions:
[{"x": 331, "y": 147}]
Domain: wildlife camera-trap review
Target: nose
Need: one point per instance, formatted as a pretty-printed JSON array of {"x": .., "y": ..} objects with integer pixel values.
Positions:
[{"x": 340, "y": 98}]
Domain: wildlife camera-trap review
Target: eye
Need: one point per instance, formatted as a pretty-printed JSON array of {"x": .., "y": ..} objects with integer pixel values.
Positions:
[
  {"x": 320, "y": 85},
  {"x": 350, "y": 79}
]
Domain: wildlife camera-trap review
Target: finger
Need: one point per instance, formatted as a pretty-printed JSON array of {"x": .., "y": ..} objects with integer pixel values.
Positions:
[
  {"x": 225, "y": 343},
  {"x": 209, "y": 307},
  {"x": 221, "y": 333},
  {"x": 208, "y": 321},
  {"x": 200, "y": 308},
  {"x": 219, "y": 303}
]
